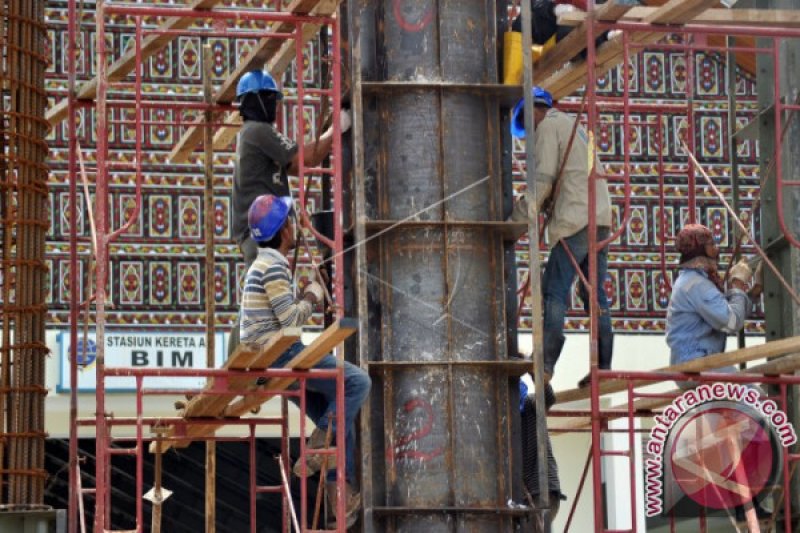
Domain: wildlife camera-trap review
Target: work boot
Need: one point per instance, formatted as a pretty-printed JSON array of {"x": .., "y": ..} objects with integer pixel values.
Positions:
[
  {"x": 314, "y": 460},
  {"x": 352, "y": 504}
]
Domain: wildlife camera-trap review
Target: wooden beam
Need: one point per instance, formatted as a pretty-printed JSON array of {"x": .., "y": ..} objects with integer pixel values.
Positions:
[
  {"x": 571, "y": 45},
  {"x": 277, "y": 54},
  {"x": 781, "y": 365},
  {"x": 212, "y": 405},
  {"x": 567, "y": 80},
  {"x": 784, "y": 18},
  {"x": 122, "y": 66},
  {"x": 310, "y": 356},
  {"x": 770, "y": 349}
]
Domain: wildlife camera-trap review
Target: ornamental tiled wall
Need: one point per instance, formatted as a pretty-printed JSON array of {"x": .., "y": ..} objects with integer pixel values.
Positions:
[{"x": 157, "y": 268}]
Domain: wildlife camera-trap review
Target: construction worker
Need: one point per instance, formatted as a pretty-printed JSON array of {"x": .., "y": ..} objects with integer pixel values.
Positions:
[
  {"x": 701, "y": 312},
  {"x": 269, "y": 305},
  {"x": 546, "y": 31},
  {"x": 530, "y": 450},
  {"x": 562, "y": 183},
  {"x": 264, "y": 158}
]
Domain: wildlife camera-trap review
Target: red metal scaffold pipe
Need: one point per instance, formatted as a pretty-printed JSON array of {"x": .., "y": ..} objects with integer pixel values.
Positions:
[{"x": 104, "y": 105}]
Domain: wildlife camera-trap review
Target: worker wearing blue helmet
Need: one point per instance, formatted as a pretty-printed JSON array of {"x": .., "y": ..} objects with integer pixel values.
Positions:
[
  {"x": 562, "y": 178},
  {"x": 268, "y": 306},
  {"x": 264, "y": 158}
]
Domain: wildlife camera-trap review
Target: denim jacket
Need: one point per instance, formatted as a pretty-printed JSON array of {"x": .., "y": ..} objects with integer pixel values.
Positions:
[{"x": 699, "y": 316}]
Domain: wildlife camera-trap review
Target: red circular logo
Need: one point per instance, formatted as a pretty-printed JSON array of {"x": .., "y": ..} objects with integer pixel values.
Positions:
[{"x": 722, "y": 457}]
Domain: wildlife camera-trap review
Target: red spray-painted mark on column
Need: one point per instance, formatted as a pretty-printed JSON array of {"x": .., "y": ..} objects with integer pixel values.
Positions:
[
  {"x": 404, "y": 441},
  {"x": 405, "y": 24}
]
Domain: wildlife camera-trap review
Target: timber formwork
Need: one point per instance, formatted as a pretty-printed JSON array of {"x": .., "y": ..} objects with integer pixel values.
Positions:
[
  {"x": 23, "y": 224},
  {"x": 117, "y": 96}
]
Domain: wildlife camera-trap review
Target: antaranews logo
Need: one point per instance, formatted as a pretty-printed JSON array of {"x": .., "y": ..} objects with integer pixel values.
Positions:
[{"x": 714, "y": 447}]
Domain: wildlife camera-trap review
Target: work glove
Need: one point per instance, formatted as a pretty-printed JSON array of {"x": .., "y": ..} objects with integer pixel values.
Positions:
[
  {"x": 345, "y": 121},
  {"x": 742, "y": 272},
  {"x": 314, "y": 289},
  {"x": 563, "y": 8}
]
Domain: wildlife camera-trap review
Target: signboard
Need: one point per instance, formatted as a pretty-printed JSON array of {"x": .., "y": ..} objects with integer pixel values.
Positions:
[{"x": 140, "y": 349}]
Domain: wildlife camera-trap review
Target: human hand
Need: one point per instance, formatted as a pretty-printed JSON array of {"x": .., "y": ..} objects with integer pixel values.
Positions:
[
  {"x": 345, "y": 120},
  {"x": 313, "y": 292},
  {"x": 741, "y": 271}
]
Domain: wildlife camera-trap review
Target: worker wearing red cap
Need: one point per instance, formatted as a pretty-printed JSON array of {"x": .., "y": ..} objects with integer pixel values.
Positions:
[{"x": 702, "y": 312}]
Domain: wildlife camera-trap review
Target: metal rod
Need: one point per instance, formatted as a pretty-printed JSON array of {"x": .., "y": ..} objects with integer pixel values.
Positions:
[
  {"x": 537, "y": 328},
  {"x": 208, "y": 205},
  {"x": 288, "y": 492},
  {"x": 743, "y": 228}
]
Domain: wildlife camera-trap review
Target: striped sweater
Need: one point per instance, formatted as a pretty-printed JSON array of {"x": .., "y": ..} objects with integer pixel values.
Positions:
[{"x": 268, "y": 302}]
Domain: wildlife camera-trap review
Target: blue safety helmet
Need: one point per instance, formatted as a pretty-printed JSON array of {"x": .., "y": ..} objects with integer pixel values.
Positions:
[
  {"x": 256, "y": 81},
  {"x": 541, "y": 97},
  {"x": 267, "y": 215}
]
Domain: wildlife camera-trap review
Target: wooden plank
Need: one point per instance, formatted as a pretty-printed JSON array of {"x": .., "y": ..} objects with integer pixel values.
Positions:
[
  {"x": 571, "y": 45},
  {"x": 211, "y": 405},
  {"x": 569, "y": 79},
  {"x": 327, "y": 341},
  {"x": 783, "y": 18},
  {"x": 770, "y": 349},
  {"x": 277, "y": 54},
  {"x": 781, "y": 365},
  {"x": 280, "y": 62},
  {"x": 122, "y": 66},
  {"x": 678, "y": 11}
]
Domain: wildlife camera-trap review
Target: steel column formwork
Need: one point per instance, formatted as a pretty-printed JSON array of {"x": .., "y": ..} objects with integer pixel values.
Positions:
[
  {"x": 23, "y": 224},
  {"x": 429, "y": 196}
]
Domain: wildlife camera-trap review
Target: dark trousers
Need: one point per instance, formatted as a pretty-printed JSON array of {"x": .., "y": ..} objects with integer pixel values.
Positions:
[{"x": 557, "y": 280}]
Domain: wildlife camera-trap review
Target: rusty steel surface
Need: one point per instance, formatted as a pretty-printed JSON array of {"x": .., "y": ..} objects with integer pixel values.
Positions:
[
  {"x": 23, "y": 210},
  {"x": 431, "y": 294}
]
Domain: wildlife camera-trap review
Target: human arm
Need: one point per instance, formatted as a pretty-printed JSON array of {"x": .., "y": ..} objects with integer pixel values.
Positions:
[
  {"x": 289, "y": 311},
  {"x": 724, "y": 312},
  {"x": 315, "y": 151}
]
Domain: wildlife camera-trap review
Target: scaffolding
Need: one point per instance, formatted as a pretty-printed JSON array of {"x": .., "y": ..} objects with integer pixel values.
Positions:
[
  {"x": 701, "y": 27},
  {"x": 117, "y": 97},
  {"x": 283, "y": 44}
]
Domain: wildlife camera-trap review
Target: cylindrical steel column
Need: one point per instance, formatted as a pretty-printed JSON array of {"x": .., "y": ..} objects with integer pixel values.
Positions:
[
  {"x": 23, "y": 224},
  {"x": 439, "y": 454}
]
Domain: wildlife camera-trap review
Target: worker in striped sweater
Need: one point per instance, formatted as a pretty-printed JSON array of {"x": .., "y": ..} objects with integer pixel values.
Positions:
[{"x": 268, "y": 306}]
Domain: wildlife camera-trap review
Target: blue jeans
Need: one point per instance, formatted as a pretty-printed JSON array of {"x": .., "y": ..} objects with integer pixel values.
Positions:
[
  {"x": 321, "y": 400},
  {"x": 556, "y": 284}
]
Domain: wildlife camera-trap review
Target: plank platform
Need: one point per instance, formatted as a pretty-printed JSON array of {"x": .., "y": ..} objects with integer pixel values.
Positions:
[
  {"x": 322, "y": 345},
  {"x": 782, "y": 365},
  {"x": 751, "y": 353},
  {"x": 212, "y": 405},
  {"x": 271, "y": 53},
  {"x": 570, "y": 78},
  {"x": 782, "y": 18},
  {"x": 227, "y": 405}
]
